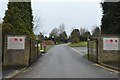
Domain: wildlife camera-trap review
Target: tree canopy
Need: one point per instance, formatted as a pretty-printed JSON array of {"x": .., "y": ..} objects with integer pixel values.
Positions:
[
  {"x": 95, "y": 32},
  {"x": 111, "y": 18},
  {"x": 75, "y": 34},
  {"x": 63, "y": 37},
  {"x": 59, "y": 34},
  {"x": 18, "y": 18}
]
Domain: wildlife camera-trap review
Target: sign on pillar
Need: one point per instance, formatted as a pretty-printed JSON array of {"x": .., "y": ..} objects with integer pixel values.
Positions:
[
  {"x": 111, "y": 44},
  {"x": 16, "y": 43}
]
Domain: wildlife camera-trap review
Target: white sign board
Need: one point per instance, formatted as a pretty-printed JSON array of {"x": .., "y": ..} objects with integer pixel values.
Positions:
[
  {"x": 111, "y": 44},
  {"x": 16, "y": 43}
]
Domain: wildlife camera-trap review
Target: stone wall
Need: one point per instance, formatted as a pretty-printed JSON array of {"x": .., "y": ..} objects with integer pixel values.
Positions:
[
  {"x": 14, "y": 57},
  {"x": 108, "y": 56}
]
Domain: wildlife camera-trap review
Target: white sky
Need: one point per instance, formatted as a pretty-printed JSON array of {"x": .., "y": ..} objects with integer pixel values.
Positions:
[{"x": 73, "y": 13}]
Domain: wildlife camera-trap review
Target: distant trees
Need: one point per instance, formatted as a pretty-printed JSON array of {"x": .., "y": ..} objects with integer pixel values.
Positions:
[
  {"x": 18, "y": 19},
  {"x": 40, "y": 37},
  {"x": 61, "y": 28},
  {"x": 84, "y": 33},
  {"x": 75, "y": 34},
  {"x": 96, "y": 32},
  {"x": 111, "y": 18},
  {"x": 54, "y": 34},
  {"x": 63, "y": 37},
  {"x": 79, "y": 35},
  {"x": 59, "y": 34},
  {"x": 37, "y": 23}
]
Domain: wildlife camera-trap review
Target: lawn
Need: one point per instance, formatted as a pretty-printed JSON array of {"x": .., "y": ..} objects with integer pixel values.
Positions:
[{"x": 80, "y": 44}]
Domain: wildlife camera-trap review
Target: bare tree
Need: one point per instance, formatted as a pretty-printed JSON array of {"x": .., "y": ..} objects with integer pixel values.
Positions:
[
  {"x": 61, "y": 28},
  {"x": 82, "y": 30},
  {"x": 38, "y": 23}
]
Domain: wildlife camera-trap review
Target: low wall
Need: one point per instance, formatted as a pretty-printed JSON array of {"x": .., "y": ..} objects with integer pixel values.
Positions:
[
  {"x": 108, "y": 56},
  {"x": 16, "y": 57}
]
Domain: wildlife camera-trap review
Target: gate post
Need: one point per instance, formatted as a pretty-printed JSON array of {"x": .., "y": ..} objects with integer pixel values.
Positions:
[
  {"x": 97, "y": 50},
  {"x": 30, "y": 52},
  {"x": 88, "y": 46}
]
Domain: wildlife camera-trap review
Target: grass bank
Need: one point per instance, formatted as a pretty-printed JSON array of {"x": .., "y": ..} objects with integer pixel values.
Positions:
[{"x": 80, "y": 44}]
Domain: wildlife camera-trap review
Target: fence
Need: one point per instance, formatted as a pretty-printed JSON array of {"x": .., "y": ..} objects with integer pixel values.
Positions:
[
  {"x": 93, "y": 50},
  {"x": 11, "y": 56},
  {"x": 34, "y": 51},
  {"x": 105, "y": 50}
]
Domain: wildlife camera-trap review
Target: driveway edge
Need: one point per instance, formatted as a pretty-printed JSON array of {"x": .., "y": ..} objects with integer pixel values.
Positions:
[{"x": 16, "y": 73}]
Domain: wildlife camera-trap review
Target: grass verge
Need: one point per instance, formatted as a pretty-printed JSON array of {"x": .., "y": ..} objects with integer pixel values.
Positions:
[{"x": 80, "y": 44}]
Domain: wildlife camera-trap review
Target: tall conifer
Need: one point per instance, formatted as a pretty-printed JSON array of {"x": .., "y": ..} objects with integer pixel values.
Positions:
[
  {"x": 18, "y": 18},
  {"x": 111, "y": 18}
]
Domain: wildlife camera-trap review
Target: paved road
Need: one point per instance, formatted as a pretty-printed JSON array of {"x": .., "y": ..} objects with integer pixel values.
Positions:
[
  {"x": 63, "y": 62},
  {"x": 82, "y": 50}
]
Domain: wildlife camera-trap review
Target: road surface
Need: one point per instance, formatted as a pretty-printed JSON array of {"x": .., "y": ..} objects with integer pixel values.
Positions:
[
  {"x": 63, "y": 62},
  {"x": 82, "y": 50}
]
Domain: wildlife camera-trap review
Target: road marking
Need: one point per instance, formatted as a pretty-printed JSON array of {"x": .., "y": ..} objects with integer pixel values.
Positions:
[
  {"x": 98, "y": 64},
  {"x": 107, "y": 68},
  {"x": 77, "y": 51}
]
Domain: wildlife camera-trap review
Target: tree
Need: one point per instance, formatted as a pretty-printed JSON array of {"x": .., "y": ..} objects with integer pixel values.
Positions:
[
  {"x": 59, "y": 34},
  {"x": 96, "y": 32},
  {"x": 82, "y": 31},
  {"x": 46, "y": 38},
  {"x": 63, "y": 37},
  {"x": 18, "y": 19},
  {"x": 37, "y": 23},
  {"x": 54, "y": 34},
  {"x": 86, "y": 35},
  {"x": 75, "y": 34},
  {"x": 61, "y": 28},
  {"x": 111, "y": 18},
  {"x": 40, "y": 37}
]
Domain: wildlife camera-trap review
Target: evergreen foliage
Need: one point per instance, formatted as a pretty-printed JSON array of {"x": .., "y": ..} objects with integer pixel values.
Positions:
[
  {"x": 63, "y": 37},
  {"x": 75, "y": 35},
  {"x": 95, "y": 32},
  {"x": 111, "y": 18},
  {"x": 18, "y": 19}
]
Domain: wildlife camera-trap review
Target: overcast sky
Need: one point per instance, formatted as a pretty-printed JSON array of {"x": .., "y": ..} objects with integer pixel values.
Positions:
[{"x": 73, "y": 13}]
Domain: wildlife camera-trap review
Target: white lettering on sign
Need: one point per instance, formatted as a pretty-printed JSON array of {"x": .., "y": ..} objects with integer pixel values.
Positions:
[
  {"x": 16, "y": 43},
  {"x": 111, "y": 44}
]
